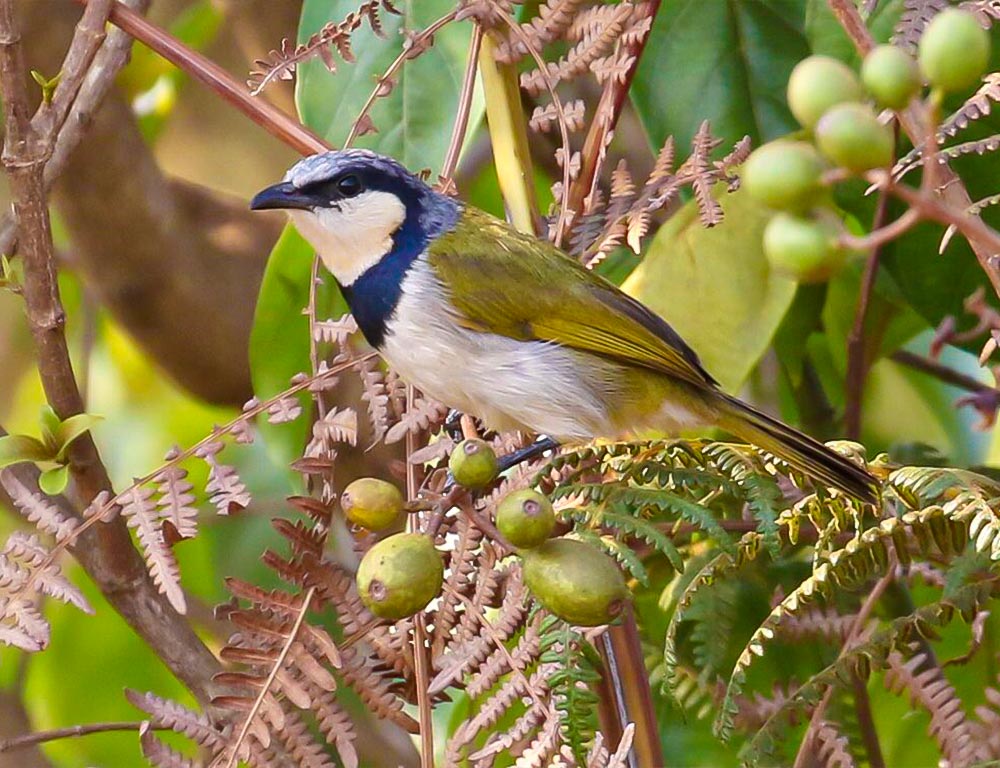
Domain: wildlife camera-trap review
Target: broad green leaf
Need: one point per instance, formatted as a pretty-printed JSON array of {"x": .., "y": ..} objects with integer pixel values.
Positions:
[
  {"x": 723, "y": 61},
  {"x": 729, "y": 63},
  {"x": 54, "y": 481},
  {"x": 414, "y": 121},
  {"x": 73, "y": 427},
  {"x": 17, "y": 448},
  {"x": 279, "y": 341},
  {"x": 714, "y": 286}
]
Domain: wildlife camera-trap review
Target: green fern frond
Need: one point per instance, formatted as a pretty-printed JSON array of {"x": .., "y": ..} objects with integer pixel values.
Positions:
[{"x": 573, "y": 684}]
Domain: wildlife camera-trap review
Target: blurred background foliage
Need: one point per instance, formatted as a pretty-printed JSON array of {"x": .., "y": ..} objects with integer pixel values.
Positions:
[{"x": 781, "y": 344}]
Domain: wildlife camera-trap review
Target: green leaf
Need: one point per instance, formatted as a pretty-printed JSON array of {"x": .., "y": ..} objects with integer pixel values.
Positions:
[
  {"x": 54, "y": 481},
  {"x": 67, "y": 431},
  {"x": 50, "y": 426},
  {"x": 735, "y": 59},
  {"x": 17, "y": 448},
  {"x": 714, "y": 286},
  {"x": 414, "y": 120},
  {"x": 279, "y": 341}
]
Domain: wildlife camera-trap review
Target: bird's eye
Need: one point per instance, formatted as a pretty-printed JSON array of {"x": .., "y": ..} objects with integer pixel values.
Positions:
[{"x": 349, "y": 186}]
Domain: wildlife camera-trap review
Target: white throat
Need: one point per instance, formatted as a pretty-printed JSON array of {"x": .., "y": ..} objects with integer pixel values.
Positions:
[{"x": 354, "y": 237}]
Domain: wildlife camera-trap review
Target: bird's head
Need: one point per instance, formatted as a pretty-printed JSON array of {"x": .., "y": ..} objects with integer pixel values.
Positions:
[{"x": 355, "y": 207}]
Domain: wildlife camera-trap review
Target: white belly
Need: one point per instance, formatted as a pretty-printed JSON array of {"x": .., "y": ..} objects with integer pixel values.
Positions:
[{"x": 509, "y": 384}]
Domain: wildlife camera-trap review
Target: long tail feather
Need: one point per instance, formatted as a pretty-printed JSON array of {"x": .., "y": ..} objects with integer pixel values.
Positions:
[{"x": 798, "y": 449}]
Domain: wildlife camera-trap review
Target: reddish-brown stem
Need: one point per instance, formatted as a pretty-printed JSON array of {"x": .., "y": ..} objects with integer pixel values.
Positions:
[
  {"x": 941, "y": 372},
  {"x": 609, "y": 109},
  {"x": 206, "y": 71},
  {"x": 404, "y": 55},
  {"x": 464, "y": 105},
  {"x": 31, "y": 739},
  {"x": 857, "y": 366}
]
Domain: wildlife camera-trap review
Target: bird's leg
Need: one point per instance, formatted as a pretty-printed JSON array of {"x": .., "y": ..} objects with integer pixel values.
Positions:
[
  {"x": 527, "y": 453},
  {"x": 453, "y": 425}
]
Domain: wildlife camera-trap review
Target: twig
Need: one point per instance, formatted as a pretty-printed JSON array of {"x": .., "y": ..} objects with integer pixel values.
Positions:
[
  {"x": 857, "y": 627},
  {"x": 31, "y": 739},
  {"x": 404, "y": 55},
  {"x": 279, "y": 662},
  {"x": 941, "y": 372},
  {"x": 869, "y": 736},
  {"x": 856, "y": 364},
  {"x": 464, "y": 105},
  {"x": 606, "y": 116},
  {"x": 206, "y": 71},
  {"x": 951, "y": 207}
]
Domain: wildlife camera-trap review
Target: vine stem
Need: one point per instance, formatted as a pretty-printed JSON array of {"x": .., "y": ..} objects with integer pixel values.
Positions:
[
  {"x": 404, "y": 55},
  {"x": 207, "y": 72},
  {"x": 39, "y": 737},
  {"x": 806, "y": 750},
  {"x": 464, "y": 105},
  {"x": 857, "y": 366}
]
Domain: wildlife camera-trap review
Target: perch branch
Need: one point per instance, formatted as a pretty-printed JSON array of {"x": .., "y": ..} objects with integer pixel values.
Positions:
[{"x": 39, "y": 737}]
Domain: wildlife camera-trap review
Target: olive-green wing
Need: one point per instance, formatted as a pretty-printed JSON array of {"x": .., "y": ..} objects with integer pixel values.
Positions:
[{"x": 489, "y": 266}]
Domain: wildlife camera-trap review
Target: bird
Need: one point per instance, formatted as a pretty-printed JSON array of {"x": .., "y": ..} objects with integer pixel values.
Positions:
[{"x": 507, "y": 327}]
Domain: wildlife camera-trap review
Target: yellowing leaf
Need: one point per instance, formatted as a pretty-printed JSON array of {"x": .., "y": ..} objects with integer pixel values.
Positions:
[{"x": 714, "y": 286}]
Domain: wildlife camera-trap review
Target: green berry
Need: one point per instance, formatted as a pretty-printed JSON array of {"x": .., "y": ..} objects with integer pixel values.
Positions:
[
  {"x": 399, "y": 575},
  {"x": 890, "y": 75},
  {"x": 525, "y": 518},
  {"x": 851, "y": 136},
  {"x": 473, "y": 464},
  {"x": 818, "y": 83},
  {"x": 372, "y": 503},
  {"x": 954, "y": 50},
  {"x": 784, "y": 175},
  {"x": 575, "y": 581},
  {"x": 802, "y": 249}
]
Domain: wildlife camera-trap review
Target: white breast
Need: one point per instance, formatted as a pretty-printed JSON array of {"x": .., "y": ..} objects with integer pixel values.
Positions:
[{"x": 493, "y": 377}]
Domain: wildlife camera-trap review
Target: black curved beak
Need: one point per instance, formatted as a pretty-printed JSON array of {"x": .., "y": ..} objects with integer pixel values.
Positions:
[{"x": 283, "y": 195}]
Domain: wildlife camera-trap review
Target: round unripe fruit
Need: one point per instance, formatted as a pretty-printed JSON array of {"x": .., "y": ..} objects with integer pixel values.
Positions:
[
  {"x": 890, "y": 75},
  {"x": 575, "y": 581},
  {"x": 802, "y": 249},
  {"x": 816, "y": 84},
  {"x": 783, "y": 175},
  {"x": 473, "y": 464},
  {"x": 399, "y": 575},
  {"x": 372, "y": 503},
  {"x": 954, "y": 50},
  {"x": 852, "y": 137},
  {"x": 525, "y": 518}
]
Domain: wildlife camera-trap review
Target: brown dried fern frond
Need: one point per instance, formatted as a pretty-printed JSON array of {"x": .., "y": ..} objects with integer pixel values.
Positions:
[
  {"x": 927, "y": 686},
  {"x": 281, "y": 64},
  {"x": 916, "y": 15},
  {"x": 832, "y": 747},
  {"x": 552, "y": 22}
]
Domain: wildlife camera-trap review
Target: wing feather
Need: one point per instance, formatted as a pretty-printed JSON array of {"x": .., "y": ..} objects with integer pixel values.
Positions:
[{"x": 483, "y": 257}]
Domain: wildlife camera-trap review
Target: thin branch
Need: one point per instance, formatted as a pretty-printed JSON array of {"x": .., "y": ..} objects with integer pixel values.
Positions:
[
  {"x": 856, "y": 364},
  {"x": 942, "y": 372},
  {"x": 606, "y": 116},
  {"x": 206, "y": 71},
  {"x": 806, "y": 747},
  {"x": 869, "y": 736},
  {"x": 407, "y": 53},
  {"x": 31, "y": 739},
  {"x": 464, "y": 105}
]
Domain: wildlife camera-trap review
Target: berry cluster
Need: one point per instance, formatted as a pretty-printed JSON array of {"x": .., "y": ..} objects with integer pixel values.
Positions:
[{"x": 803, "y": 240}]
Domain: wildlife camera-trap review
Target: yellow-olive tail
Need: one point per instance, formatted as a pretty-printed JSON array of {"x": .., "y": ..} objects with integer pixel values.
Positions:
[{"x": 801, "y": 451}]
